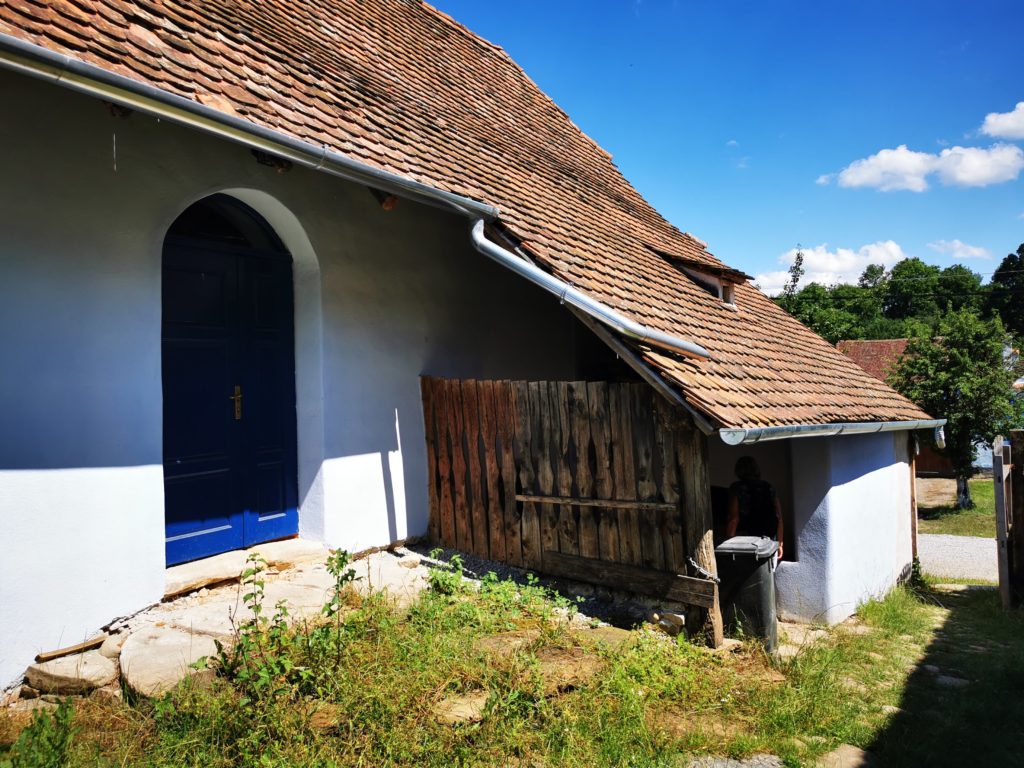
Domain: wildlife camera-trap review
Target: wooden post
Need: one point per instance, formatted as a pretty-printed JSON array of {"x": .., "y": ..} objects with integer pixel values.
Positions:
[
  {"x": 693, "y": 470},
  {"x": 912, "y": 448},
  {"x": 1015, "y": 511},
  {"x": 999, "y": 477}
]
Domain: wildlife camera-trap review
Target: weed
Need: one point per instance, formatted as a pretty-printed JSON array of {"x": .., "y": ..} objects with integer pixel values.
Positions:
[
  {"x": 446, "y": 579},
  {"x": 46, "y": 741}
]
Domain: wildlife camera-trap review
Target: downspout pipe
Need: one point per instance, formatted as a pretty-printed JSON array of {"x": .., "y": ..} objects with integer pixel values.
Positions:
[
  {"x": 27, "y": 58},
  {"x": 576, "y": 298},
  {"x": 761, "y": 434}
]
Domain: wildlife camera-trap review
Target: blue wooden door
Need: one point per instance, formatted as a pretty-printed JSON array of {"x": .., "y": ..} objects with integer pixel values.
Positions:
[{"x": 229, "y": 396}]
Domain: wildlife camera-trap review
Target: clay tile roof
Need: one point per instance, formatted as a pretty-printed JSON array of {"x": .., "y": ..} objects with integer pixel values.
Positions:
[
  {"x": 400, "y": 85},
  {"x": 876, "y": 356}
]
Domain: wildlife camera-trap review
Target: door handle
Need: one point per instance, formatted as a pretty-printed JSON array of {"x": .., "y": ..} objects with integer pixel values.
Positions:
[{"x": 237, "y": 398}]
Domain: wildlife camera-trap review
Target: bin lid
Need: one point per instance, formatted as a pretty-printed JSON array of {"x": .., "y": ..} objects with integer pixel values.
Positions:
[{"x": 758, "y": 546}]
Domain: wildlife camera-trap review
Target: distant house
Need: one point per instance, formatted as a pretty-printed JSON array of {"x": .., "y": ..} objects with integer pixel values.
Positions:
[
  {"x": 236, "y": 236},
  {"x": 879, "y": 357}
]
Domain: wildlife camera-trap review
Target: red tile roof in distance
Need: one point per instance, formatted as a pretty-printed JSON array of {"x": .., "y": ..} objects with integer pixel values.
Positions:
[
  {"x": 401, "y": 86},
  {"x": 876, "y": 356}
]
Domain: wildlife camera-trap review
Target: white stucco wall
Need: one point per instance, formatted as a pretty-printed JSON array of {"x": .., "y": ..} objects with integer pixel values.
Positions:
[
  {"x": 852, "y": 524},
  {"x": 381, "y": 298}
]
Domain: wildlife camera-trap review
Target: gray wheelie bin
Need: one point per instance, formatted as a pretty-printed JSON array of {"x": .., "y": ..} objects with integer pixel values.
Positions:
[{"x": 747, "y": 590}]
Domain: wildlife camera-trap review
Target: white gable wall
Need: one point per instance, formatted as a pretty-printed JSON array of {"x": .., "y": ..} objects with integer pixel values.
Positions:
[
  {"x": 852, "y": 510},
  {"x": 381, "y": 298}
]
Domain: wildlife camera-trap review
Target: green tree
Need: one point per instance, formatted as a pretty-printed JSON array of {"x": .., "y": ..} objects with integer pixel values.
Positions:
[
  {"x": 960, "y": 372},
  {"x": 959, "y": 287},
  {"x": 1006, "y": 292},
  {"x": 911, "y": 290}
]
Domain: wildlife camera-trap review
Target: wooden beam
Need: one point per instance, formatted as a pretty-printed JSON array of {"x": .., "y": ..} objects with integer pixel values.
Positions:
[
  {"x": 1016, "y": 515},
  {"x": 631, "y": 578},
  {"x": 912, "y": 449},
  {"x": 1002, "y": 543},
  {"x": 692, "y": 452},
  {"x": 87, "y": 645},
  {"x": 652, "y": 506}
]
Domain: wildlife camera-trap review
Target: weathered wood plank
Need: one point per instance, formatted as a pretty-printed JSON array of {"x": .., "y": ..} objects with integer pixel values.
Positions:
[
  {"x": 1003, "y": 547},
  {"x": 624, "y": 465},
  {"x": 1016, "y": 515},
  {"x": 692, "y": 451},
  {"x": 580, "y": 429},
  {"x": 644, "y": 581},
  {"x": 489, "y": 438},
  {"x": 505, "y": 416},
  {"x": 568, "y": 530},
  {"x": 460, "y": 470},
  {"x": 647, "y": 506},
  {"x": 652, "y": 553},
  {"x": 475, "y": 496},
  {"x": 604, "y": 483},
  {"x": 543, "y": 438},
  {"x": 430, "y": 433},
  {"x": 531, "y": 541},
  {"x": 444, "y": 464},
  {"x": 672, "y": 522}
]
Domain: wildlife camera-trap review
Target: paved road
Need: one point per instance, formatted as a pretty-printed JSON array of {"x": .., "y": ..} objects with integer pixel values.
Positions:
[{"x": 969, "y": 557}]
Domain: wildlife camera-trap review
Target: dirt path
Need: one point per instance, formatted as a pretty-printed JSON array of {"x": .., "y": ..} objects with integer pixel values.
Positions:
[{"x": 935, "y": 491}]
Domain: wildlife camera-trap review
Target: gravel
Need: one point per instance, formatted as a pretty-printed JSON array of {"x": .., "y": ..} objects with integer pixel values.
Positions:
[{"x": 963, "y": 557}]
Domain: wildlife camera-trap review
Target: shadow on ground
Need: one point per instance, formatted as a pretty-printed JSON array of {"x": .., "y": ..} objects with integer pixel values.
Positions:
[{"x": 963, "y": 705}]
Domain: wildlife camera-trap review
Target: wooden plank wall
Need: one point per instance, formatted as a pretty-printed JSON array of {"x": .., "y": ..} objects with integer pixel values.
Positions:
[
  {"x": 570, "y": 478},
  {"x": 581, "y": 468},
  {"x": 1008, "y": 476}
]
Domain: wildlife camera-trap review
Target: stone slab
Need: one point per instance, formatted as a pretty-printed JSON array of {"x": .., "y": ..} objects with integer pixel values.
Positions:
[
  {"x": 754, "y": 761},
  {"x": 463, "y": 708},
  {"x": 290, "y": 552},
  {"x": 155, "y": 659},
  {"x": 612, "y": 637},
  {"x": 189, "y": 577},
  {"x": 72, "y": 675},
  {"x": 111, "y": 647},
  {"x": 846, "y": 756}
]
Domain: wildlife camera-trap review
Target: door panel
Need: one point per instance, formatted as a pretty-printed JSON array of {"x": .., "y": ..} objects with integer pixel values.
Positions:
[{"x": 229, "y": 477}]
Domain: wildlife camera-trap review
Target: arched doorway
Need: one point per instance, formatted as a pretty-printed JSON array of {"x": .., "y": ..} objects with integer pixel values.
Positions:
[{"x": 228, "y": 382}]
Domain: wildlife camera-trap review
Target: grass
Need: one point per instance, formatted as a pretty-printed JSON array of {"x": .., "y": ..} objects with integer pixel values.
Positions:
[
  {"x": 980, "y": 521},
  {"x": 362, "y": 689}
]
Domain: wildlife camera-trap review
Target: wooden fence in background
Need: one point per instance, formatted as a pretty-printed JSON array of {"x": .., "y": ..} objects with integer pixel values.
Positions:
[
  {"x": 1008, "y": 476},
  {"x": 592, "y": 481}
]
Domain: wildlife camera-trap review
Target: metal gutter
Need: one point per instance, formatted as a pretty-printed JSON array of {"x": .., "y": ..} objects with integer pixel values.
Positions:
[
  {"x": 29, "y": 59},
  {"x": 576, "y": 298},
  {"x": 761, "y": 434}
]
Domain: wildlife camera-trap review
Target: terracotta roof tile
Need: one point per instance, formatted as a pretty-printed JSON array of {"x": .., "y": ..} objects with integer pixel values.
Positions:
[
  {"x": 876, "y": 356},
  {"x": 400, "y": 85}
]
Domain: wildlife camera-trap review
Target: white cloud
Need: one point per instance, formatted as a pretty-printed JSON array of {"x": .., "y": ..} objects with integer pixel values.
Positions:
[
  {"x": 901, "y": 168},
  {"x": 975, "y": 167},
  {"x": 732, "y": 143},
  {"x": 889, "y": 170},
  {"x": 1005, "y": 125},
  {"x": 825, "y": 178},
  {"x": 828, "y": 267},
  {"x": 958, "y": 249}
]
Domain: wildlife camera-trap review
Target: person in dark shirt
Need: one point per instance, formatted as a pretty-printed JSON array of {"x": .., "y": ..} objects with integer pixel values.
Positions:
[{"x": 754, "y": 508}]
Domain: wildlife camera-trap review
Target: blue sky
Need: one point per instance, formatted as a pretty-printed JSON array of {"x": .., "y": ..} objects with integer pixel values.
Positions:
[{"x": 857, "y": 129}]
